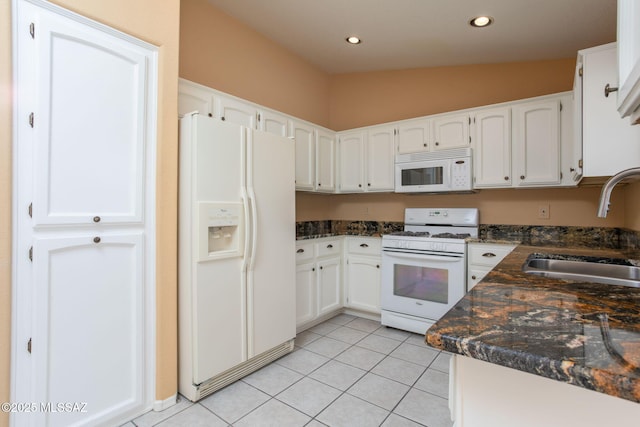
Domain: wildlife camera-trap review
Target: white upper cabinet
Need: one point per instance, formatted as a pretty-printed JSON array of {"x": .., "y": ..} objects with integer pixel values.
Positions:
[
  {"x": 414, "y": 136},
  {"x": 304, "y": 136},
  {"x": 609, "y": 143},
  {"x": 451, "y": 131},
  {"x": 492, "y": 150},
  {"x": 235, "y": 111},
  {"x": 536, "y": 143},
  {"x": 193, "y": 97},
  {"x": 352, "y": 161},
  {"x": 367, "y": 159},
  {"x": 277, "y": 124},
  {"x": 379, "y": 152},
  {"x": 629, "y": 59},
  {"x": 325, "y": 161}
]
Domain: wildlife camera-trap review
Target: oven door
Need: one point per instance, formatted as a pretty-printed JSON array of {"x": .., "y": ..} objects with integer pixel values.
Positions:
[{"x": 422, "y": 284}]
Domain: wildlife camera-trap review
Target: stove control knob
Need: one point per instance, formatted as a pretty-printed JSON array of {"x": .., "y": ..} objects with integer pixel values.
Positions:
[{"x": 445, "y": 213}]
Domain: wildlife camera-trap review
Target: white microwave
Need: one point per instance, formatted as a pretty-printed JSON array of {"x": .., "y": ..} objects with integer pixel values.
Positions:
[{"x": 434, "y": 172}]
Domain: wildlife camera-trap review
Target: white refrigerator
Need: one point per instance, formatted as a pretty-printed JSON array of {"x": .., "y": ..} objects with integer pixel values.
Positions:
[{"x": 236, "y": 252}]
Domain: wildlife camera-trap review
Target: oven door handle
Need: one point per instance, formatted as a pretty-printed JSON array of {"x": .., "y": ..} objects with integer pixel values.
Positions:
[{"x": 439, "y": 257}]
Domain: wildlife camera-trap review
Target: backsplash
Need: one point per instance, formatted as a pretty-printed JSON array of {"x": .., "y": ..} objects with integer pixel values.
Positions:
[{"x": 535, "y": 235}]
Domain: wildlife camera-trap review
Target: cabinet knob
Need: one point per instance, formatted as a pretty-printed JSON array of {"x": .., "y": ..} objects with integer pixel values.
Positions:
[
  {"x": 437, "y": 143},
  {"x": 521, "y": 176},
  {"x": 364, "y": 245},
  {"x": 329, "y": 246},
  {"x": 313, "y": 269},
  {"x": 222, "y": 118},
  {"x": 608, "y": 89},
  {"x": 300, "y": 251},
  {"x": 319, "y": 184},
  {"x": 377, "y": 265},
  {"x": 320, "y": 267},
  {"x": 360, "y": 185},
  {"x": 210, "y": 115},
  {"x": 96, "y": 219},
  {"x": 506, "y": 178},
  {"x": 473, "y": 277},
  {"x": 96, "y": 240},
  {"x": 489, "y": 254},
  {"x": 424, "y": 145},
  {"x": 368, "y": 184}
]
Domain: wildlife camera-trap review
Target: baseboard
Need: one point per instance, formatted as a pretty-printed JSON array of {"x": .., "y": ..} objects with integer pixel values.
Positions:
[{"x": 161, "y": 405}]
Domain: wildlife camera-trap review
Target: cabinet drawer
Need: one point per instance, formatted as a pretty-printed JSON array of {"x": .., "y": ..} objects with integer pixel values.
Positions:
[
  {"x": 488, "y": 255},
  {"x": 364, "y": 246},
  {"x": 329, "y": 248},
  {"x": 304, "y": 251}
]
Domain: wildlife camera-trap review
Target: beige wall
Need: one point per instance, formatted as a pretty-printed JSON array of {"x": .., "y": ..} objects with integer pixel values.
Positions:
[
  {"x": 361, "y": 99},
  {"x": 218, "y": 51},
  {"x": 5, "y": 203},
  {"x": 631, "y": 206},
  {"x": 576, "y": 206},
  {"x": 157, "y": 22}
]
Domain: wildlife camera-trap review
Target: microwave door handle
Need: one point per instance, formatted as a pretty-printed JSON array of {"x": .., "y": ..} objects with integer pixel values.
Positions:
[{"x": 424, "y": 257}]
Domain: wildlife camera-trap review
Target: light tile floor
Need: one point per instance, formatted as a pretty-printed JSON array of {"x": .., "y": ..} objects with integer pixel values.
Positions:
[{"x": 347, "y": 371}]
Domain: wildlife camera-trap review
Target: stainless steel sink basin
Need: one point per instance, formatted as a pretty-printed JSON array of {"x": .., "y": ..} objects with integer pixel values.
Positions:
[{"x": 585, "y": 269}]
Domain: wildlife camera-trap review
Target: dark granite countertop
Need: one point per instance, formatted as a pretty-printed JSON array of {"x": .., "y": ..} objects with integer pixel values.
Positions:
[{"x": 550, "y": 327}]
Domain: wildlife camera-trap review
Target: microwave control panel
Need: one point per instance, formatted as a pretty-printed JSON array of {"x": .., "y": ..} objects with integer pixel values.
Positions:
[{"x": 461, "y": 173}]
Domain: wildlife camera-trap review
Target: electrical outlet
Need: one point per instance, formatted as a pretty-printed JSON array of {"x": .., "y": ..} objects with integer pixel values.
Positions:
[{"x": 543, "y": 212}]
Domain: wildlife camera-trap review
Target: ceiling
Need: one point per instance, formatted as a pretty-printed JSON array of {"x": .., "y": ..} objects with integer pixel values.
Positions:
[{"x": 399, "y": 34}]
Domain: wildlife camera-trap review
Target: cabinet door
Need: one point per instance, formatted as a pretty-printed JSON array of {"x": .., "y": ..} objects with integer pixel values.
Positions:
[
  {"x": 414, "y": 136},
  {"x": 629, "y": 59},
  {"x": 536, "y": 143},
  {"x": 352, "y": 162},
  {"x": 306, "y": 293},
  {"x": 326, "y": 161},
  {"x": 88, "y": 325},
  {"x": 273, "y": 122},
  {"x": 328, "y": 285},
  {"x": 235, "y": 111},
  {"x": 192, "y": 97},
  {"x": 492, "y": 150},
  {"x": 451, "y": 131},
  {"x": 304, "y": 137},
  {"x": 363, "y": 283},
  {"x": 380, "y": 158},
  {"x": 609, "y": 143}
]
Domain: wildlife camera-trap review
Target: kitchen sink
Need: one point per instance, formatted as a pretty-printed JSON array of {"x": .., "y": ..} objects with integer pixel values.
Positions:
[{"x": 612, "y": 271}]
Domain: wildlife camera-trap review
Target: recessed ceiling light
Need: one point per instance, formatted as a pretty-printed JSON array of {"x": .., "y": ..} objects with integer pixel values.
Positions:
[
  {"x": 353, "y": 40},
  {"x": 481, "y": 21}
]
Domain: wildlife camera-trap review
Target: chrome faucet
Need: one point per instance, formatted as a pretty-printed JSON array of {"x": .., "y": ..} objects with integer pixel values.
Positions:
[{"x": 605, "y": 195}]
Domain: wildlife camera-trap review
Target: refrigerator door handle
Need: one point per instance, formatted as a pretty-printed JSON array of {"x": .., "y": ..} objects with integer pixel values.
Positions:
[
  {"x": 254, "y": 227},
  {"x": 247, "y": 230}
]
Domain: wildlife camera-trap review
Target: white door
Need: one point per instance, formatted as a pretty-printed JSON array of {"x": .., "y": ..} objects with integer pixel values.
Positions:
[
  {"x": 88, "y": 338},
  {"x": 272, "y": 265},
  {"x": 352, "y": 162},
  {"x": 492, "y": 151},
  {"x": 84, "y": 206},
  {"x": 381, "y": 159},
  {"x": 329, "y": 285},
  {"x": 536, "y": 143},
  {"x": 363, "y": 284},
  {"x": 275, "y": 123},
  {"x": 304, "y": 136},
  {"x": 451, "y": 131},
  {"x": 305, "y": 292},
  {"x": 234, "y": 111},
  {"x": 414, "y": 136},
  {"x": 326, "y": 161},
  {"x": 193, "y": 97}
]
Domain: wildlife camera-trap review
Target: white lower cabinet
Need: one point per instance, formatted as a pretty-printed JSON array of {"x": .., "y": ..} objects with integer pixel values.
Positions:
[
  {"x": 318, "y": 278},
  {"x": 482, "y": 258},
  {"x": 362, "y": 275}
]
